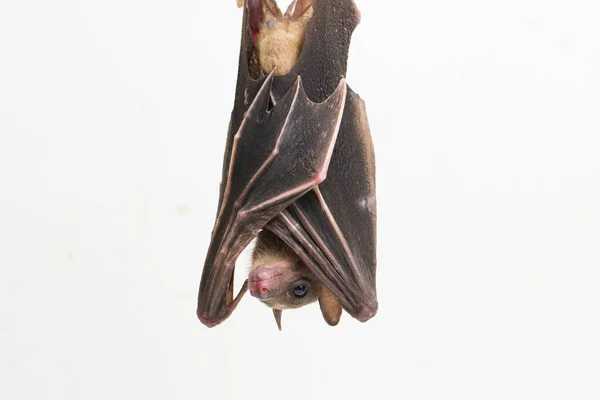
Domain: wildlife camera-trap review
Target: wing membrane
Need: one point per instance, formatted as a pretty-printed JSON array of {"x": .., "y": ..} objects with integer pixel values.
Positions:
[{"x": 275, "y": 159}]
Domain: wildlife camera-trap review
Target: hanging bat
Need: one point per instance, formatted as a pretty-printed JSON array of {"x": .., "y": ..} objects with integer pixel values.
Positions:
[{"x": 298, "y": 170}]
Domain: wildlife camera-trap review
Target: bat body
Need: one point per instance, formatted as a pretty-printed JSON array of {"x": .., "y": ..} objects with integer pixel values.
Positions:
[{"x": 298, "y": 170}]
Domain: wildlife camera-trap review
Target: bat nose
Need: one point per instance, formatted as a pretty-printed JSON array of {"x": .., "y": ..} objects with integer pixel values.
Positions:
[{"x": 259, "y": 289}]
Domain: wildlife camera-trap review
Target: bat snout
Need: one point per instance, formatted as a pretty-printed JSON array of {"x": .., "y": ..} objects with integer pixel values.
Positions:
[
  {"x": 259, "y": 289},
  {"x": 264, "y": 279}
]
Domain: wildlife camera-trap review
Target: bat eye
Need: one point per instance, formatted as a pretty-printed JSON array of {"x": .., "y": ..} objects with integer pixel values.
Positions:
[
  {"x": 300, "y": 291},
  {"x": 270, "y": 24}
]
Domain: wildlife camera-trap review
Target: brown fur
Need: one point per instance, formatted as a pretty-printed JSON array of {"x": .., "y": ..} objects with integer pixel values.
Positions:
[
  {"x": 270, "y": 249},
  {"x": 279, "y": 46}
]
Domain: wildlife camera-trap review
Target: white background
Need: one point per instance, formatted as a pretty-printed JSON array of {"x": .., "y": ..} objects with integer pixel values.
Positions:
[{"x": 486, "y": 122}]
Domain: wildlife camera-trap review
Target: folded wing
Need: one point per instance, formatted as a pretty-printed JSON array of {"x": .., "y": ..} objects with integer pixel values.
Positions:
[{"x": 277, "y": 155}]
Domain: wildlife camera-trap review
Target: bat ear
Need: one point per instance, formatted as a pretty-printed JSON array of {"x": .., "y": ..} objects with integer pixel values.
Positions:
[
  {"x": 273, "y": 8},
  {"x": 277, "y": 314},
  {"x": 330, "y": 307},
  {"x": 298, "y": 8}
]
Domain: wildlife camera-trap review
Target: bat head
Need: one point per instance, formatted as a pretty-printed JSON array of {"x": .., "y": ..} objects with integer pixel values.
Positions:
[
  {"x": 281, "y": 281},
  {"x": 283, "y": 285},
  {"x": 278, "y": 37}
]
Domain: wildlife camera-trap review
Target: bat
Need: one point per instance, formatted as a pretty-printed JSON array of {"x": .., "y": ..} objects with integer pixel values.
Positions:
[{"x": 298, "y": 170}]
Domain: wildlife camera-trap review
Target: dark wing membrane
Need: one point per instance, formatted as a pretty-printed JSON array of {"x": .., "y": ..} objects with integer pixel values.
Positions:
[
  {"x": 276, "y": 156},
  {"x": 332, "y": 228},
  {"x": 324, "y": 56}
]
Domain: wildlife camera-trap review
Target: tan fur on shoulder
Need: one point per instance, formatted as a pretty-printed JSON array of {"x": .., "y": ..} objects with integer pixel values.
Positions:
[{"x": 280, "y": 44}]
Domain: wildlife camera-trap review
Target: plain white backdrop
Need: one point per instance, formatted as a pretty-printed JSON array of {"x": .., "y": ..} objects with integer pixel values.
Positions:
[{"x": 486, "y": 122}]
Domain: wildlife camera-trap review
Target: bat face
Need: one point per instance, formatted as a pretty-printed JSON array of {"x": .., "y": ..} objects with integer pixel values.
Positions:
[
  {"x": 282, "y": 285},
  {"x": 280, "y": 280}
]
